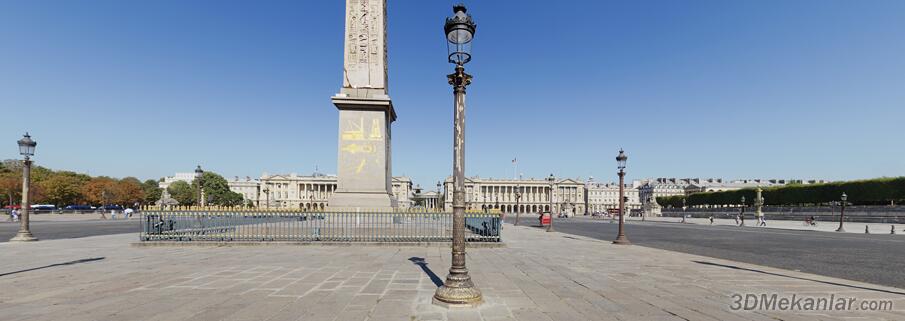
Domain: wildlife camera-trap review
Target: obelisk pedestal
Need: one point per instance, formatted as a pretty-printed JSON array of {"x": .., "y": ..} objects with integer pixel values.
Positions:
[{"x": 366, "y": 112}]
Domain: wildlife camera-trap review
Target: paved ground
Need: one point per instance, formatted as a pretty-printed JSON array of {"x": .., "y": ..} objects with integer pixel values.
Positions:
[
  {"x": 873, "y": 258},
  {"x": 539, "y": 276},
  {"x": 824, "y": 226},
  {"x": 64, "y": 229}
]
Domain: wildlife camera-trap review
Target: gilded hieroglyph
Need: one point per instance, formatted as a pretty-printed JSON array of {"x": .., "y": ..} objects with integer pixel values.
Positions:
[
  {"x": 361, "y": 141},
  {"x": 365, "y": 45}
]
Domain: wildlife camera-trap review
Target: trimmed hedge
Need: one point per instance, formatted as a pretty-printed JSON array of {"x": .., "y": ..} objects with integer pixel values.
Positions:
[{"x": 879, "y": 191}]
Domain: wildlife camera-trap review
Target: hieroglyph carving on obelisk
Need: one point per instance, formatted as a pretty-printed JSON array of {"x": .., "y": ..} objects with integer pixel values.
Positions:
[
  {"x": 365, "y": 112},
  {"x": 365, "y": 45}
]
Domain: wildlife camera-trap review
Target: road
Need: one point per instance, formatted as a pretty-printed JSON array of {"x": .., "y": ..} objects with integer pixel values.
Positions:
[
  {"x": 71, "y": 229},
  {"x": 872, "y": 258}
]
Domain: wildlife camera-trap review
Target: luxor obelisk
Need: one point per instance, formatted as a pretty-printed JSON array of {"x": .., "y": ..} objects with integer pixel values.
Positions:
[{"x": 365, "y": 112}]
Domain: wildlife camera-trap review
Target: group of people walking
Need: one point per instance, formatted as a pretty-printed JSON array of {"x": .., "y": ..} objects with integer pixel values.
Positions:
[{"x": 740, "y": 220}]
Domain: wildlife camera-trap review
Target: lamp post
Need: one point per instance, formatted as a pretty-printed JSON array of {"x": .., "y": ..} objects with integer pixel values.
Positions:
[
  {"x": 104, "y": 203},
  {"x": 198, "y": 173},
  {"x": 683, "y": 210},
  {"x": 621, "y": 159},
  {"x": 552, "y": 180},
  {"x": 267, "y": 197},
  {"x": 518, "y": 195},
  {"x": 742, "y": 216},
  {"x": 459, "y": 290},
  {"x": 844, "y": 198},
  {"x": 587, "y": 202},
  {"x": 27, "y": 149},
  {"x": 439, "y": 196}
]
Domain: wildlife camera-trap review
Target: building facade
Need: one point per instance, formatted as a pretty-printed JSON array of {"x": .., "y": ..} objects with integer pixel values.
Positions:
[
  {"x": 489, "y": 193},
  {"x": 604, "y": 197},
  {"x": 429, "y": 200},
  {"x": 293, "y": 191}
]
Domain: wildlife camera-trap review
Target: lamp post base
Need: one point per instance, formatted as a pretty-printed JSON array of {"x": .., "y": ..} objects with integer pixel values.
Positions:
[
  {"x": 23, "y": 236},
  {"x": 622, "y": 240},
  {"x": 458, "y": 292},
  {"x": 840, "y": 229}
]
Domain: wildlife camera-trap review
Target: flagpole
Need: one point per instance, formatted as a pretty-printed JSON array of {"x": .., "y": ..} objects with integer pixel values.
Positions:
[{"x": 515, "y": 173}]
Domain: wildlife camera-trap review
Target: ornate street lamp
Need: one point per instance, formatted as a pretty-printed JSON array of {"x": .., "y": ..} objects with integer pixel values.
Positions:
[
  {"x": 844, "y": 198},
  {"x": 552, "y": 180},
  {"x": 27, "y": 149},
  {"x": 518, "y": 195},
  {"x": 743, "y": 211},
  {"x": 459, "y": 290},
  {"x": 621, "y": 159}
]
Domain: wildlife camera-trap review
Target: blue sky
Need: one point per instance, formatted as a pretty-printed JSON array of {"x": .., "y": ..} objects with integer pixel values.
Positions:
[{"x": 734, "y": 89}]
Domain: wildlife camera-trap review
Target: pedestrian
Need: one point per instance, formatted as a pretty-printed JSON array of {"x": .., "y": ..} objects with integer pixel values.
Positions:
[
  {"x": 763, "y": 221},
  {"x": 711, "y": 219},
  {"x": 743, "y": 220},
  {"x": 128, "y": 213},
  {"x": 736, "y": 219},
  {"x": 15, "y": 215}
]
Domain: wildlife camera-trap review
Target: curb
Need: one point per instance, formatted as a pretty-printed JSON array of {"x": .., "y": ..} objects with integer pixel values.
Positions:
[{"x": 473, "y": 245}]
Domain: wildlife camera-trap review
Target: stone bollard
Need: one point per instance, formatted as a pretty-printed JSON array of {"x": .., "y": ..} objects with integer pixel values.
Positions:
[{"x": 866, "y": 229}]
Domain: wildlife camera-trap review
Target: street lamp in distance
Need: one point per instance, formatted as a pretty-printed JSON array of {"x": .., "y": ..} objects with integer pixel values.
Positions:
[
  {"x": 552, "y": 180},
  {"x": 844, "y": 199},
  {"x": 621, "y": 159},
  {"x": 198, "y": 173},
  {"x": 26, "y": 149},
  {"x": 518, "y": 196}
]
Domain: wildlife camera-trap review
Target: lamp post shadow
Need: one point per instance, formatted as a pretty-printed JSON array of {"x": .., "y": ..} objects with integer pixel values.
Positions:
[{"x": 419, "y": 261}]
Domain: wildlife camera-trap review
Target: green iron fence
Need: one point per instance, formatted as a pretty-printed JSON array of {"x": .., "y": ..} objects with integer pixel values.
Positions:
[{"x": 295, "y": 226}]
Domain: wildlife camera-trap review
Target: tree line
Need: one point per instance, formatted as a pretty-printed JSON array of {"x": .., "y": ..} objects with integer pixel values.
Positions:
[
  {"x": 879, "y": 191},
  {"x": 62, "y": 188}
]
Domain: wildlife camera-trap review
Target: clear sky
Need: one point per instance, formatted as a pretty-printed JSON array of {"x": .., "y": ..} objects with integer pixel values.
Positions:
[{"x": 733, "y": 89}]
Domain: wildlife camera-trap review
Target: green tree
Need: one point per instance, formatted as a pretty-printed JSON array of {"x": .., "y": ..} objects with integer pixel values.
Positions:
[
  {"x": 182, "y": 192},
  {"x": 152, "y": 191},
  {"x": 216, "y": 190}
]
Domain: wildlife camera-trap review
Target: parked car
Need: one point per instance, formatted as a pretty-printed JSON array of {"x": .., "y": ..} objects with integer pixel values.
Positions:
[
  {"x": 11, "y": 207},
  {"x": 43, "y": 208},
  {"x": 76, "y": 208},
  {"x": 108, "y": 208}
]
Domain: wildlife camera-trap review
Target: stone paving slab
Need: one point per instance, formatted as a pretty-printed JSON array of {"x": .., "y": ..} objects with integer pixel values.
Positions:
[{"x": 538, "y": 276}]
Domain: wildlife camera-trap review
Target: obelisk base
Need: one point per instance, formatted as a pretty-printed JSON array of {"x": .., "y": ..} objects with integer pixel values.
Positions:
[{"x": 345, "y": 201}]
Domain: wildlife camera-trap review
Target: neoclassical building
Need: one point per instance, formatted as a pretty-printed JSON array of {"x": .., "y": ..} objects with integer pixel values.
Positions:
[
  {"x": 303, "y": 192},
  {"x": 604, "y": 197},
  {"x": 489, "y": 193}
]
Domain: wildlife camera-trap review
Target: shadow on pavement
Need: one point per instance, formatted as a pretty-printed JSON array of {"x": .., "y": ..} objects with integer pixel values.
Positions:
[
  {"x": 795, "y": 277},
  {"x": 57, "y": 264},
  {"x": 419, "y": 261}
]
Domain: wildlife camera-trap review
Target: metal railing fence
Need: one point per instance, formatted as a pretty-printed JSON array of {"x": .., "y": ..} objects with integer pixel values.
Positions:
[{"x": 303, "y": 226}]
